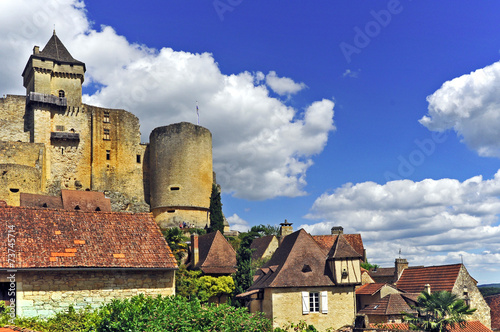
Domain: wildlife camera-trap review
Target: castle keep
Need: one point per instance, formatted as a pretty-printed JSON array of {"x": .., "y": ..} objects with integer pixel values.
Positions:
[{"x": 50, "y": 140}]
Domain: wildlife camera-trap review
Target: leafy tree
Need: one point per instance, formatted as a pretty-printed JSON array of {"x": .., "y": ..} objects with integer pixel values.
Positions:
[
  {"x": 367, "y": 266},
  {"x": 438, "y": 312},
  {"x": 216, "y": 216},
  {"x": 187, "y": 283},
  {"x": 177, "y": 242},
  {"x": 216, "y": 287},
  {"x": 487, "y": 291}
]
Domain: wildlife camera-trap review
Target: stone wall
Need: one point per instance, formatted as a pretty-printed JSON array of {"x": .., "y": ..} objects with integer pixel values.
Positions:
[
  {"x": 465, "y": 281},
  {"x": 44, "y": 293},
  {"x": 286, "y": 306},
  {"x": 12, "y": 126}
]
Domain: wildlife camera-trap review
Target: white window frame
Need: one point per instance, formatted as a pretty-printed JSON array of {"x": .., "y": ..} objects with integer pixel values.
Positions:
[{"x": 308, "y": 297}]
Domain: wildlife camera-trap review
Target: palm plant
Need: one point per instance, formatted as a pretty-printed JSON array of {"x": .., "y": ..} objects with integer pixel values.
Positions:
[{"x": 438, "y": 312}]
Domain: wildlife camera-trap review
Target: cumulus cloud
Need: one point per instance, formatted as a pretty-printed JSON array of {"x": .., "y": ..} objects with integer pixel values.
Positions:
[
  {"x": 238, "y": 224},
  {"x": 431, "y": 221},
  {"x": 283, "y": 85},
  {"x": 469, "y": 105},
  {"x": 262, "y": 147}
]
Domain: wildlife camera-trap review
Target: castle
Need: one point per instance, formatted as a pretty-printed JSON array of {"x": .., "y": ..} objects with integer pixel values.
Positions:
[{"x": 50, "y": 140}]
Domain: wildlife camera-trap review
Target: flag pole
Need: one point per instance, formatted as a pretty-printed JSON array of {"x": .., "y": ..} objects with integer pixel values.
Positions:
[{"x": 197, "y": 113}]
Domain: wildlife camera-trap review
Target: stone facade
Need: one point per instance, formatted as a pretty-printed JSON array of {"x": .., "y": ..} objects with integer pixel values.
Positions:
[
  {"x": 71, "y": 145},
  {"x": 284, "y": 305},
  {"x": 43, "y": 293}
]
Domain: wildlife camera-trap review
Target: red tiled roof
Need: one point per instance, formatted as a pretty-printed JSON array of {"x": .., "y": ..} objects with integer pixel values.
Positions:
[
  {"x": 414, "y": 279},
  {"x": 326, "y": 242},
  {"x": 471, "y": 326},
  {"x": 298, "y": 262},
  {"x": 48, "y": 238},
  {"x": 217, "y": 256},
  {"x": 369, "y": 289},
  {"x": 494, "y": 303},
  {"x": 392, "y": 304}
]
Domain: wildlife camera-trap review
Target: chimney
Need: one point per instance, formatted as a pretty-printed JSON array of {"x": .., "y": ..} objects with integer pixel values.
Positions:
[
  {"x": 36, "y": 50},
  {"x": 337, "y": 230},
  {"x": 195, "y": 253},
  {"x": 286, "y": 229},
  {"x": 400, "y": 264},
  {"x": 427, "y": 288}
]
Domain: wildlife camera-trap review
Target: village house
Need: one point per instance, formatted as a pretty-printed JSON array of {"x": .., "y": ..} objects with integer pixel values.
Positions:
[
  {"x": 212, "y": 254},
  {"x": 54, "y": 258},
  {"x": 303, "y": 281}
]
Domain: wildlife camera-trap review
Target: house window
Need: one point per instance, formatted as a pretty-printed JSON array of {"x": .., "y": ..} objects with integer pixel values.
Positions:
[
  {"x": 314, "y": 302},
  {"x": 106, "y": 117},
  {"x": 106, "y": 135},
  {"x": 108, "y": 154},
  {"x": 61, "y": 94}
]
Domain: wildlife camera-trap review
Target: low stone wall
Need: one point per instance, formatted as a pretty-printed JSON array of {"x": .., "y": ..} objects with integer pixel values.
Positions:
[{"x": 42, "y": 293}]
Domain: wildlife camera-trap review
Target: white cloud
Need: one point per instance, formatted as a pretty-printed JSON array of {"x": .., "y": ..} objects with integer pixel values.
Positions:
[
  {"x": 262, "y": 147},
  {"x": 431, "y": 221},
  {"x": 351, "y": 74},
  {"x": 470, "y": 105},
  {"x": 237, "y": 224},
  {"x": 283, "y": 85}
]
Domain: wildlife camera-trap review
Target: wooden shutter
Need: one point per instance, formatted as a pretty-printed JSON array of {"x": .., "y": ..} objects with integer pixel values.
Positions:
[
  {"x": 305, "y": 303},
  {"x": 324, "y": 302}
]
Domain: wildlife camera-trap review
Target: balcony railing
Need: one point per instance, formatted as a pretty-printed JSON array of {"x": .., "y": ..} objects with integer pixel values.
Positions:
[
  {"x": 59, "y": 135},
  {"x": 47, "y": 99}
]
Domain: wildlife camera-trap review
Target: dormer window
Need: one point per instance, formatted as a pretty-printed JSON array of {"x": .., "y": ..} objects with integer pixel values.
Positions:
[{"x": 62, "y": 94}]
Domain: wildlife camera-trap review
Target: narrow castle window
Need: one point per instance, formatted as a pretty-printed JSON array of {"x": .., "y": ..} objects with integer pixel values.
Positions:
[
  {"x": 106, "y": 135},
  {"x": 175, "y": 188},
  {"x": 170, "y": 211},
  {"x": 138, "y": 159},
  {"x": 108, "y": 154},
  {"x": 59, "y": 128},
  {"x": 106, "y": 117},
  {"x": 61, "y": 94},
  {"x": 14, "y": 190}
]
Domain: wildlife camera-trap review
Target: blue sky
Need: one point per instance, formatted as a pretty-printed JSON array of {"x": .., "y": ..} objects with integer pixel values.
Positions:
[{"x": 379, "y": 116}]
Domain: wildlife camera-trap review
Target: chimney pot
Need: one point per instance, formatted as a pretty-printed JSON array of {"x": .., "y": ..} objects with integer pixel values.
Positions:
[
  {"x": 194, "y": 250},
  {"x": 36, "y": 50},
  {"x": 336, "y": 230}
]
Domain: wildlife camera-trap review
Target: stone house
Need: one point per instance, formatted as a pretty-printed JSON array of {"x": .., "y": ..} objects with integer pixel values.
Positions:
[
  {"x": 53, "y": 258},
  {"x": 373, "y": 292},
  {"x": 264, "y": 247},
  {"x": 453, "y": 278},
  {"x": 212, "y": 254},
  {"x": 302, "y": 281},
  {"x": 390, "y": 308}
]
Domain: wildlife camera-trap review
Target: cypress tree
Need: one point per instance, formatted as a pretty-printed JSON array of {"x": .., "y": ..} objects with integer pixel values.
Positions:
[{"x": 216, "y": 216}]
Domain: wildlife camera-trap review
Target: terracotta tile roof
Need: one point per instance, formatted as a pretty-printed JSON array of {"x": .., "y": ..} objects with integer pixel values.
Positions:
[
  {"x": 69, "y": 200},
  {"x": 326, "y": 242},
  {"x": 48, "y": 238},
  {"x": 342, "y": 249},
  {"x": 494, "y": 303},
  {"x": 471, "y": 326},
  {"x": 259, "y": 245},
  {"x": 369, "y": 289},
  {"x": 41, "y": 201},
  {"x": 392, "y": 304},
  {"x": 440, "y": 278},
  {"x": 216, "y": 255},
  {"x": 298, "y": 262}
]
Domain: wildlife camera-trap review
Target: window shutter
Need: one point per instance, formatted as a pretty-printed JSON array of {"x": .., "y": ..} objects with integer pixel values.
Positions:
[
  {"x": 324, "y": 302},
  {"x": 305, "y": 303}
]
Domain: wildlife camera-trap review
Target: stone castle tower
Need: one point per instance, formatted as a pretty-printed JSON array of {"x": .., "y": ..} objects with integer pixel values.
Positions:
[{"x": 50, "y": 140}]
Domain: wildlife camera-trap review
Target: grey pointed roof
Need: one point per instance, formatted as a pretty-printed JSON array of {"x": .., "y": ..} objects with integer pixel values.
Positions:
[{"x": 56, "y": 51}]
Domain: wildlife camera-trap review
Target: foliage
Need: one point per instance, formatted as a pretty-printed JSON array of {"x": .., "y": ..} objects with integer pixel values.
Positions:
[
  {"x": 177, "y": 242},
  {"x": 192, "y": 285},
  {"x": 234, "y": 242},
  {"x": 215, "y": 287},
  {"x": 301, "y": 326},
  {"x": 488, "y": 291},
  {"x": 66, "y": 321},
  {"x": 438, "y": 312},
  {"x": 216, "y": 216},
  {"x": 367, "y": 266},
  {"x": 187, "y": 283},
  {"x": 258, "y": 263},
  {"x": 146, "y": 314}
]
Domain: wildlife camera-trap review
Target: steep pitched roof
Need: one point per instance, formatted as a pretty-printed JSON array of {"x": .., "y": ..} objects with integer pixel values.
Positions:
[
  {"x": 298, "y": 262},
  {"x": 342, "y": 249},
  {"x": 469, "y": 326},
  {"x": 392, "y": 304},
  {"x": 56, "y": 51},
  {"x": 49, "y": 238},
  {"x": 217, "y": 256},
  {"x": 326, "y": 242},
  {"x": 260, "y": 245},
  {"x": 369, "y": 289},
  {"x": 494, "y": 304},
  {"x": 443, "y": 277}
]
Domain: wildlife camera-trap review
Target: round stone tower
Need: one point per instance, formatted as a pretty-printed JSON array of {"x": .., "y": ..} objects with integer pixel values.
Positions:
[{"x": 181, "y": 174}]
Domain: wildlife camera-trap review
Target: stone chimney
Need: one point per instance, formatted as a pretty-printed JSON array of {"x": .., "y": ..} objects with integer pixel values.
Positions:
[
  {"x": 195, "y": 252},
  {"x": 337, "y": 230},
  {"x": 427, "y": 288},
  {"x": 400, "y": 264},
  {"x": 285, "y": 229},
  {"x": 36, "y": 50}
]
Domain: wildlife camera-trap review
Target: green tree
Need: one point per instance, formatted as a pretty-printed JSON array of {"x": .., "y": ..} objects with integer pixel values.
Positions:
[
  {"x": 177, "y": 242},
  {"x": 367, "y": 266},
  {"x": 438, "y": 312},
  {"x": 216, "y": 216},
  {"x": 216, "y": 287}
]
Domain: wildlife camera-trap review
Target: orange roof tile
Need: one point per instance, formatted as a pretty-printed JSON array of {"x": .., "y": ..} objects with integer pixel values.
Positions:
[
  {"x": 443, "y": 277},
  {"x": 326, "y": 242},
  {"x": 472, "y": 326},
  {"x": 369, "y": 289},
  {"x": 96, "y": 236},
  {"x": 494, "y": 303}
]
